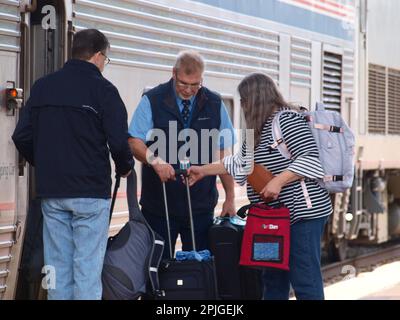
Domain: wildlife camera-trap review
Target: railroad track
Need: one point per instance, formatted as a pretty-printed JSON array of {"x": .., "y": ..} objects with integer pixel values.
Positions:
[{"x": 366, "y": 262}]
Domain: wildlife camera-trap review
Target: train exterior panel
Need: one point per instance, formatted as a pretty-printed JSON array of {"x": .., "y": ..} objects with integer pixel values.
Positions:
[
  {"x": 12, "y": 185},
  {"x": 334, "y": 51},
  {"x": 379, "y": 63}
]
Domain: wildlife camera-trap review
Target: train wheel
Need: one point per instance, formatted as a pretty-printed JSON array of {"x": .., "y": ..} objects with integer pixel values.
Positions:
[{"x": 337, "y": 250}]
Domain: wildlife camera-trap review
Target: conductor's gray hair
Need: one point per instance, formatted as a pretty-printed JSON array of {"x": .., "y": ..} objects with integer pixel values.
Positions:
[{"x": 189, "y": 62}]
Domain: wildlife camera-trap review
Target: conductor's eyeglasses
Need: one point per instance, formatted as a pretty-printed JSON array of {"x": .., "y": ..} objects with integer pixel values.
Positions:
[{"x": 191, "y": 86}]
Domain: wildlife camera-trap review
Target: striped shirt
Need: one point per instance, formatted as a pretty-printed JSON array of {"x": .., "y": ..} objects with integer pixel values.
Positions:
[{"x": 305, "y": 162}]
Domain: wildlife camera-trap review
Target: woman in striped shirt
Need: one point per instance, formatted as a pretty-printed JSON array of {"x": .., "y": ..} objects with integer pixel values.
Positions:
[{"x": 294, "y": 184}]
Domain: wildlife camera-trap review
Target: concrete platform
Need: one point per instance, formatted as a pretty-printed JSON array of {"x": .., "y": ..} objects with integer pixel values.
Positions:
[
  {"x": 381, "y": 284},
  {"x": 392, "y": 293}
]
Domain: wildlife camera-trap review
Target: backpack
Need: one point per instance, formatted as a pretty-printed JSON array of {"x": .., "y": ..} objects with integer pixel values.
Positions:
[
  {"x": 335, "y": 142},
  {"x": 132, "y": 256}
]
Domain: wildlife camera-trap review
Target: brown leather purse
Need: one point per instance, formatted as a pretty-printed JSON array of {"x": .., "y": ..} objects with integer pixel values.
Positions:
[{"x": 259, "y": 177}]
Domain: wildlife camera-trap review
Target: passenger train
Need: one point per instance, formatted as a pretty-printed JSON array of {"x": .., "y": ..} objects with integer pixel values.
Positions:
[{"x": 344, "y": 53}]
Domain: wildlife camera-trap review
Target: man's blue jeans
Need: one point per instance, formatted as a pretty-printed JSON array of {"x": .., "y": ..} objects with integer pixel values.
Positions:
[
  {"x": 304, "y": 263},
  {"x": 75, "y": 237}
]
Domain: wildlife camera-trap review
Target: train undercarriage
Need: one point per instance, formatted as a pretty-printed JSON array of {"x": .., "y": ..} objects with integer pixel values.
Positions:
[{"x": 368, "y": 213}]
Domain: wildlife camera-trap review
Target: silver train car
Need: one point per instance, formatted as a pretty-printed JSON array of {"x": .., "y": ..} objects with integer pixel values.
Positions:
[{"x": 341, "y": 52}]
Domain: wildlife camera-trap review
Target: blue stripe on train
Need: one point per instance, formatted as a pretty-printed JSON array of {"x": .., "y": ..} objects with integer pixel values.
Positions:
[{"x": 280, "y": 12}]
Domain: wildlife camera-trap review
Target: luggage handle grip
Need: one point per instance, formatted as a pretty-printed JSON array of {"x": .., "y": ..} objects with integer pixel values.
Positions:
[
  {"x": 179, "y": 172},
  {"x": 243, "y": 211}
]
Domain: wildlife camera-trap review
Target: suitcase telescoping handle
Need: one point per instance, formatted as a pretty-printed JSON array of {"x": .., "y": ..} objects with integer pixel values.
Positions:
[
  {"x": 167, "y": 217},
  {"x": 184, "y": 165}
]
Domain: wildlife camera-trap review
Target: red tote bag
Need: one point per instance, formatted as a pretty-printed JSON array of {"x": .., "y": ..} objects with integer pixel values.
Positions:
[{"x": 266, "y": 238}]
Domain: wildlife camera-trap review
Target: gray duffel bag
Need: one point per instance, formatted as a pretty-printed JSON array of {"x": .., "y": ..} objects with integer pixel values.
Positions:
[{"x": 132, "y": 257}]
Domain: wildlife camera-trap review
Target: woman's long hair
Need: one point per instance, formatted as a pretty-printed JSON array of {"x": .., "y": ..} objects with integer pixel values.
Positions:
[{"x": 259, "y": 98}]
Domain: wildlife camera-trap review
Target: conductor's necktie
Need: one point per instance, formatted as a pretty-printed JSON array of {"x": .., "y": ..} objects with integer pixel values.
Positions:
[{"x": 185, "y": 111}]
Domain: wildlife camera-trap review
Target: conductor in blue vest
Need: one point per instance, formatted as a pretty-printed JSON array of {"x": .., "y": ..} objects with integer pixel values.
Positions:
[{"x": 181, "y": 119}]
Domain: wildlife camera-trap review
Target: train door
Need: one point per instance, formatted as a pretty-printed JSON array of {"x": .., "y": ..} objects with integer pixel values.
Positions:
[
  {"x": 47, "y": 38},
  {"x": 12, "y": 186},
  {"x": 46, "y": 46},
  {"x": 43, "y": 53}
]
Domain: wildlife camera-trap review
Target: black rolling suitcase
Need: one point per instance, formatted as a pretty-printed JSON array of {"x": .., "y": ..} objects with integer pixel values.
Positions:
[
  {"x": 187, "y": 279},
  {"x": 235, "y": 282}
]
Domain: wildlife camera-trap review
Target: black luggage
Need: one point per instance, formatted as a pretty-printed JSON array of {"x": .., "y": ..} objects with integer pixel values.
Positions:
[
  {"x": 187, "y": 279},
  {"x": 235, "y": 282},
  {"x": 30, "y": 272}
]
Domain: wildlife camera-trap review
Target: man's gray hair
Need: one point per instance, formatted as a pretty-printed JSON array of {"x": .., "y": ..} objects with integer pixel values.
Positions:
[{"x": 189, "y": 61}]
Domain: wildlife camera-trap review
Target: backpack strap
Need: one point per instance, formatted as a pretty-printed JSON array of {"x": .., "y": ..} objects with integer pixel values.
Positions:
[
  {"x": 334, "y": 178},
  {"x": 326, "y": 127},
  {"x": 279, "y": 143},
  {"x": 135, "y": 214},
  {"x": 305, "y": 193}
]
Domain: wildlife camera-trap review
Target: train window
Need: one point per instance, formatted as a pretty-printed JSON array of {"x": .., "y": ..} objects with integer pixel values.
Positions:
[{"x": 332, "y": 81}]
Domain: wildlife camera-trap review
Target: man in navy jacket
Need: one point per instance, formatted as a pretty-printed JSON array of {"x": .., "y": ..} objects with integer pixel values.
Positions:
[{"x": 72, "y": 121}]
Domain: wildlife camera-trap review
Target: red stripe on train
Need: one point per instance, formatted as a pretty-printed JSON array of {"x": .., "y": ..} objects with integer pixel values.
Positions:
[
  {"x": 338, "y": 5},
  {"x": 322, "y": 8},
  {"x": 7, "y": 206}
]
